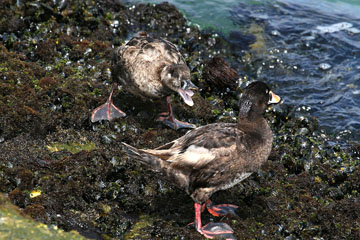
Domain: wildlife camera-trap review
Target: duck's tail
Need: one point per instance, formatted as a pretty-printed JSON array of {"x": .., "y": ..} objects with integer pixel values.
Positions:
[
  {"x": 154, "y": 162},
  {"x": 157, "y": 164}
]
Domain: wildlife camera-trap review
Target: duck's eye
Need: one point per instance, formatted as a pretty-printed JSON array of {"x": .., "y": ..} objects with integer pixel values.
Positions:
[{"x": 270, "y": 96}]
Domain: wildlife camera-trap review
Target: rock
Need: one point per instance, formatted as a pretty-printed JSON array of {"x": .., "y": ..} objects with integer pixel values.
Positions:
[
  {"x": 15, "y": 226},
  {"x": 219, "y": 73}
]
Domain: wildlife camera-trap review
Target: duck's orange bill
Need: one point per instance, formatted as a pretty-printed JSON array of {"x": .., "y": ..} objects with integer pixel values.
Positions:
[{"x": 274, "y": 98}]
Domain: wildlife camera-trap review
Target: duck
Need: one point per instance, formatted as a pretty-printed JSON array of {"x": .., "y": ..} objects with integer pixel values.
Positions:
[
  {"x": 215, "y": 157},
  {"x": 149, "y": 68}
]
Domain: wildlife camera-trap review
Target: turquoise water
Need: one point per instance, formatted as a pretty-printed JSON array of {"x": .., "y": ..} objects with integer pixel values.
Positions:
[
  {"x": 216, "y": 13},
  {"x": 205, "y": 13},
  {"x": 309, "y": 52}
]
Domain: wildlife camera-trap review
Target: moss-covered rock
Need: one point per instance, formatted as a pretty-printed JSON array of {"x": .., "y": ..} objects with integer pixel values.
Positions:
[{"x": 14, "y": 225}]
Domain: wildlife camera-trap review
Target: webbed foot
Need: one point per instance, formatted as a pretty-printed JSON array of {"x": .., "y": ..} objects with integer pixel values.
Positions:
[
  {"x": 212, "y": 230},
  {"x": 172, "y": 122},
  {"x": 221, "y": 209},
  {"x": 107, "y": 111},
  {"x": 217, "y": 230}
]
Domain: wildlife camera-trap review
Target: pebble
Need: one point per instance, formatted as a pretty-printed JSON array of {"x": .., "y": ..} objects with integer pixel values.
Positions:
[
  {"x": 335, "y": 193},
  {"x": 106, "y": 139},
  {"x": 304, "y": 131}
]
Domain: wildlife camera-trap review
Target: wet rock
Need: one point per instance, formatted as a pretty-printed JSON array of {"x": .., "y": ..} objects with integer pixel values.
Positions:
[
  {"x": 36, "y": 211},
  {"x": 45, "y": 50},
  {"x": 303, "y": 131},
  {"x": 355, "y": 151},
  {"x": 18, "y": 197},
  {"x": 107, "y": 139},
  {"x": 218, "y": 72},
  {"x": 238, "y": 38},
  {"x": 335, "y": 193}
]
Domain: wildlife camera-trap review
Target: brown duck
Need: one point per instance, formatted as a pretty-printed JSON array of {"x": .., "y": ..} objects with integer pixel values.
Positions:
[
  {"x": 149, "y": 68},
  {"x": 216, "y": 156}
]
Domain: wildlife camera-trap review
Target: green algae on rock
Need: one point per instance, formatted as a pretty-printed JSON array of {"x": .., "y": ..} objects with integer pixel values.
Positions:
[
  {"x": 13, "y": 225},
  {"x": 138, "y": 229},
  {"x": 72, "y": 147}
]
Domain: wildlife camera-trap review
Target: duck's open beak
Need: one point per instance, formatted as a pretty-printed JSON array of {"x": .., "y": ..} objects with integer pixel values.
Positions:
[
  {"x": 186, "y": 92},
  {"x": 274, "y": 98}
]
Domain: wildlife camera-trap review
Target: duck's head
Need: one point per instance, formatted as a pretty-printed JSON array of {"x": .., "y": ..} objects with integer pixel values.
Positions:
[
  {"x": 177, "y": 78},
  {"x": 255, "y": 98}
]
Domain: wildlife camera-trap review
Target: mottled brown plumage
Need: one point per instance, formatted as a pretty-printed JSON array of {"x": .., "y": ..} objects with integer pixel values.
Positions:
[
  {"x": 216, "y": 156},
  {"x": 142, "y": 63},
  {"x": 149, "y": 68}
]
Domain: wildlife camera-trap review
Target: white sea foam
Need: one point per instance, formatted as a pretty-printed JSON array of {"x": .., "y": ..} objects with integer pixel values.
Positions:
[{"x": 338, "y": 27}]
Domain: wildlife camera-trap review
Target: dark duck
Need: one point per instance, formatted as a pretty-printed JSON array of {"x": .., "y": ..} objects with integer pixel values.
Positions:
[
  {"x": 216, "y": 156},
  {"x": 149, "y": 68}
]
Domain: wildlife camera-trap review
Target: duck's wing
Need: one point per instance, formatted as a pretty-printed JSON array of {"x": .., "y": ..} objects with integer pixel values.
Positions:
[
  {"x": 186, "y": 157},
  {"x": 200, "y": 146}
]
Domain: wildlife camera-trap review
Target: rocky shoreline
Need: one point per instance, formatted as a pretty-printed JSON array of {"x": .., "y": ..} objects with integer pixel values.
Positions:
[{"x": 55, "y": 68}]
